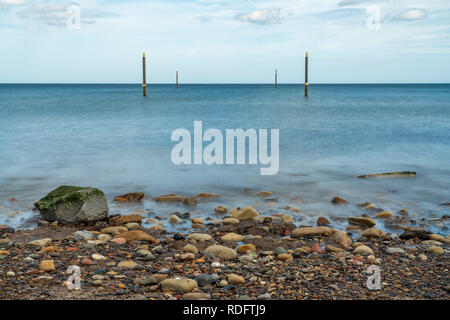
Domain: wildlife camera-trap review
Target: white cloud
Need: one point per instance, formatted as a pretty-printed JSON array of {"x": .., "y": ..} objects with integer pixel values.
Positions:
[
  {"x": 262, "y": 17},
  {"x": 411, "y": 15}
]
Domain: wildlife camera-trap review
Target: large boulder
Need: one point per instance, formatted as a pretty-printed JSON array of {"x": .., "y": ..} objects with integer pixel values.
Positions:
[{"x": 72, "y": 204}]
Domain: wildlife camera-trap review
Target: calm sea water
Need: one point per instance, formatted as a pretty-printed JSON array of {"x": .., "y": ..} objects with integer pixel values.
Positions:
[{"x": 110, "y": 137}]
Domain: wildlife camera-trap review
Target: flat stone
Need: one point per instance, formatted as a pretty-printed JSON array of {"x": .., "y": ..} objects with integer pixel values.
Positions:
[
  {"x": 395, "y": 251},
  {"x": 183, "y": 285},
  {"x": 363, "y": 250},
  {"x": 373, "y": 233},
  {"x": 221, "y": 252},
  {"x": 435, "y": 250},
  {"x": 362, "y": 221},
  {"x": 235, "y": 279},
  {"x": 311, "y": 231},
  {"x": 233, "y": 237},
  {"x": 199, "y": 236}
]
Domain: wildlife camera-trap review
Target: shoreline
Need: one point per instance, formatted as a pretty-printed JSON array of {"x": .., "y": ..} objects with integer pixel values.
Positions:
[{"x": 266, "y": 257}]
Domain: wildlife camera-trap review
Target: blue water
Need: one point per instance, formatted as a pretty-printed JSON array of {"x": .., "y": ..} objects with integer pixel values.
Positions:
[{"x": 110, "y": 137}]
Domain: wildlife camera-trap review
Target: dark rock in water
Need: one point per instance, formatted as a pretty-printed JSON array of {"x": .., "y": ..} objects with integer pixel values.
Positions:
[
  {"x": 6, "y": 229},
  {"x": 445, "y": 204},
  {"x": 338, "y": 200},
  {"x": 72, "y": 204},
  {"x": 192, "y": 201},
  {"x": 130, "y": 197},
  {"x": 416, "y": 233},
  {"x": 389, "y": 174}
]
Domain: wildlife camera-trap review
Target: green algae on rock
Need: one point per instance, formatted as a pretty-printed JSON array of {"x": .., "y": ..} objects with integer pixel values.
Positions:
[{"x": 72, "y": 204}]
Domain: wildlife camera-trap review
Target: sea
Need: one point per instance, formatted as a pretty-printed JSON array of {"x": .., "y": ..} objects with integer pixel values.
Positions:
[{"x": 110, "y": 137}]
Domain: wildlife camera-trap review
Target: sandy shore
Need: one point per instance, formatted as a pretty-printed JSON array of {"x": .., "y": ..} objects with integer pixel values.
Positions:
[{"x": 264, "y": 258}]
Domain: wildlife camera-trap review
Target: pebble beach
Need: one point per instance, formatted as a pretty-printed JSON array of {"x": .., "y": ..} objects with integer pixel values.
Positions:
[{"x": 227, "y": 254}]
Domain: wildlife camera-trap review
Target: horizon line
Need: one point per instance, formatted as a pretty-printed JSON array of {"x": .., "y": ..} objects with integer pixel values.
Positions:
[{"x": 219, "y": 83}]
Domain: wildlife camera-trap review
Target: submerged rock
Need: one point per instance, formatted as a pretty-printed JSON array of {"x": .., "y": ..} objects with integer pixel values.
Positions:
[
  {"x": 247, "y": 213},
  {"x": 389, "y": 175},
  {"x": 71, "y": 204},
  {"x": 338, "y": 200},
  {"x": 362, "y": 221},
  {"x": 130, "y": 197}
]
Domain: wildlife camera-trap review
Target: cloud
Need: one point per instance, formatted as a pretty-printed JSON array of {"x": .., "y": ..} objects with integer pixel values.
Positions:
[
  {"x": 411, "y": 15},
  {"x": 214, "y": 16},
  {"x": 344, "y": 3},
  {"x": 58, "y": 14},
  {"x": 6, "y": 4},
  {"x": 51, "y": 14},
  {"x": 261, "y": 17},
  {"x": 341, "y": 13}
]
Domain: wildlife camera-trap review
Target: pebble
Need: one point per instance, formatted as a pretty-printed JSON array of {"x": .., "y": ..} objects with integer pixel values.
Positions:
[
  {"x": 221, "y": 209},
  {"x": 47, "y": 266},
  {"x": 322, "y": 221},
  {"x": 183, "y": 285},
  {"x": 232, "y": 237},
  {"x": 316, "y": 248},
  {"x": 186, "y": 257},
  {"x": 383, "y": 214},
  {"x": 235, "y": 279},
  {"x": 41, "y": 242},
  {"x": 96, "y": 256},
  {"x": 342, "y": 238},
  {"x": 279, "y": 250},
  {"x": 436, "y": 237},
  {"x": 10, "y": 274},
  {"x": 204, "y": 279},
  {"x": 362, "y": 221},
  {"x": 133, "y": 226},
  {"x": 196, "y": 296},
  {"x": 221, "y": 252},
  {"x": 362, "y": 249},
  {"x": 246, "y": 213},
  {"x": 435, "y": 250},
  {"x": 127, "y": 264},
  {"x": 199, "y": 236},
  {"x": 265, "y": 296},
  {"x": 246, "y": 248},
  {"x": 395, "y": 251},
  {"x": 422, "y": 257},
  {"x": 190, "y": 249},
  {"x": 286, "y": 257},
  {"x": 83, "y": 235},
  {"x": 174, "y": 219},
  {"x": 230, "y": 221},
  {"x": 373, "y": 233},
  {"x": 119, "y": 240},
  {"x": 311, "y": 231}
]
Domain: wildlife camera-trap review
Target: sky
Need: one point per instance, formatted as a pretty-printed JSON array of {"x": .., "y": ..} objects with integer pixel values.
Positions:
[{"x": 225, "y": 41}]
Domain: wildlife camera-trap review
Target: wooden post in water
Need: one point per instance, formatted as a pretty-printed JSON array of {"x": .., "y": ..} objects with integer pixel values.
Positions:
[
  {"x": 144, "y": 84},
  {"x": 177, "y": 78},
  {"x": 306, "y": 75},
  {"x": 276, "y": 78}
]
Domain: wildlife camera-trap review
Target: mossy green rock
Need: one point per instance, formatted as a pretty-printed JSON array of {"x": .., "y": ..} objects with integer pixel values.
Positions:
[{"x": 73, "y": 204}]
